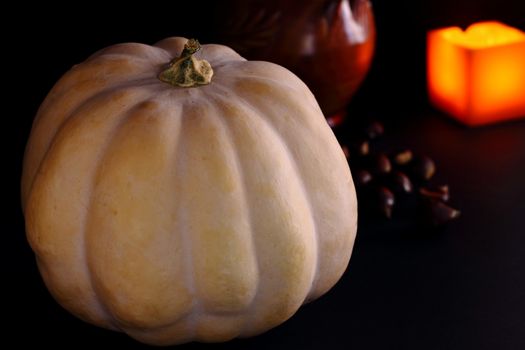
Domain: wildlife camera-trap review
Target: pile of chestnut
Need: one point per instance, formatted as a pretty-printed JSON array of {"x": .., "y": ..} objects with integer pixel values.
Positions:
[{"x": 383, "y": 179}]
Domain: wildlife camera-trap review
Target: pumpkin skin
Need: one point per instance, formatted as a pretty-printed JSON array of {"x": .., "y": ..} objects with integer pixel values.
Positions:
[{"x": 185, "y": 214}]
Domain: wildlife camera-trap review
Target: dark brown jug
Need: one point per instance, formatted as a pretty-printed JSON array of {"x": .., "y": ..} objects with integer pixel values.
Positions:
[{"x": 329, "y": 44}]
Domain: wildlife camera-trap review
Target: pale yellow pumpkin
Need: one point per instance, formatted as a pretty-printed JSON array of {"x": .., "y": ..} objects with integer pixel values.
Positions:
[{"x": 185, "y": 213}]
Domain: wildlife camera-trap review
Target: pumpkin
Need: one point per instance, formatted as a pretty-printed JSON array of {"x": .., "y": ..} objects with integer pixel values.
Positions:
[{"x": 204, "y": 199}]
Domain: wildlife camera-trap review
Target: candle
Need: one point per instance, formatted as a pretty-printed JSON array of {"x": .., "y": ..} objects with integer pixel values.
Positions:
[{"x": 477, "y": 75}]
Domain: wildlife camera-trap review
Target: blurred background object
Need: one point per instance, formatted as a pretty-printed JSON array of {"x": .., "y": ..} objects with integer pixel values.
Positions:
[{"x": 329, "y": 44}]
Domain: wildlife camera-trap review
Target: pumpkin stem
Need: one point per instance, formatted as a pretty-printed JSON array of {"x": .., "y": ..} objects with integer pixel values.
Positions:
[{"x": 186, "y": 70}]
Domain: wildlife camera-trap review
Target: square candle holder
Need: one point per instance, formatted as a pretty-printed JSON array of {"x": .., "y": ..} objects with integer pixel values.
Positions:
[{"x": 478, "y": 75}]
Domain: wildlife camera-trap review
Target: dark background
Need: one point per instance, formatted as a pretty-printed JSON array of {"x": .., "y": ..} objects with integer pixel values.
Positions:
[{"x": 407, "y": 287}]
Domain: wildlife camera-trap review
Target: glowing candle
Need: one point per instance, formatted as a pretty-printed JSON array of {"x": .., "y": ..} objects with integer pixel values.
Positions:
[{"x": 477, "y": 75}]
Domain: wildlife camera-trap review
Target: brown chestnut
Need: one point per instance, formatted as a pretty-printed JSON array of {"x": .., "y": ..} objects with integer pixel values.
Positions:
[
  {"x": 386, "y": 201},
  {"x": 403, "y": 157},
  {"x": 402, "y": 182},
  {"x": 424, "y": 168},
  {"x": 374, "y": 130}
]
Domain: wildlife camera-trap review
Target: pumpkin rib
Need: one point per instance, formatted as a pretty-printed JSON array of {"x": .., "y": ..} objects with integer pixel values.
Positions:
[
  {"x": 248, "y": 111},
  {"x": 309, "y": 199},
  {"x": 101, "y": 155},
  {"x": 30, "y": 178},
  {"x": 225, "y": 283},
  {"x": 92, "y": 240},
  {"x": 77, "y": 113},
  {"x": 182, "y": 225},
  {"x": 306, "y": 193},
  {"x": 226, "y": 120},
  {"x": 181, "y": 329},
  {"x": 270, "y": 110},
  {"x": 294, "y": 164},
  {"x": 102, "y": 305},
  {"x": 61, "y": 140},
  {"x": 222, "y": 98},
  {"x": 184, "y": 329}
]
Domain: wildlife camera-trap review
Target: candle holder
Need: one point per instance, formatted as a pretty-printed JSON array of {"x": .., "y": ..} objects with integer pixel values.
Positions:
[{"x": 477, "y": 75}]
